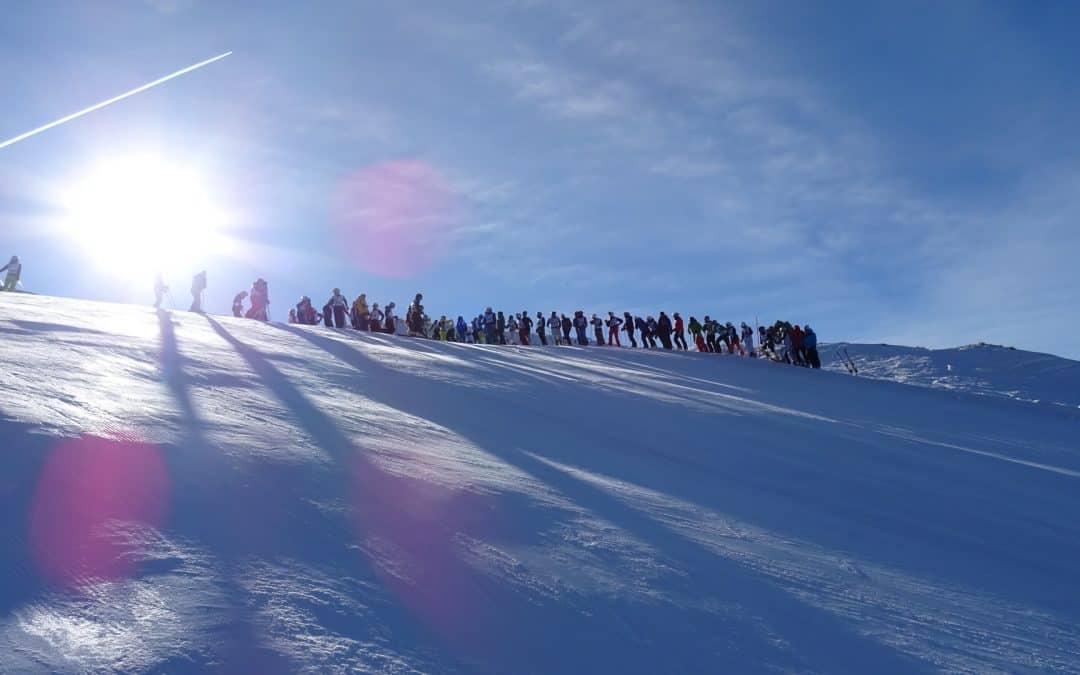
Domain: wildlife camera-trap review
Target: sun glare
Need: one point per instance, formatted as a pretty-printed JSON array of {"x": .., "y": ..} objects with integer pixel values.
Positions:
[{"x": 137, "y": 216}]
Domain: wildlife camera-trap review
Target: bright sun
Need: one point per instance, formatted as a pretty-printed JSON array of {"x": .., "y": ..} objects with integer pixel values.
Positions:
[{"x": 138, "y": 216}]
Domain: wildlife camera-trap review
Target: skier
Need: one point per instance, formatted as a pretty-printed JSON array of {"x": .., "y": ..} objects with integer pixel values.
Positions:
[
  {"x": 305, "y": 313},
  {"x": 680, "y": 333},
  {"x": 14, "y": 271},
  {"x": 614, "y": 324},
  {"x": 512, "y": 326},
  {"x": 734, "y": 344},
  {"x": 524, "y": 328},
  {"x": 328, "y": 315},
  {"x": 375, "y": 319},
  {"x": 462, "y": 329},
  {"x": 628, "y": 326},
  {"x": 292, "y": 315},
  {"x": 556, "y": 329},
  {"x": 643, "y": 328},
  {"x": 580, "y": 324},
  {"x": 160, "y": 289},
  {"x": 796, "y": 346},
  {"x": 748, "y": 339},
  {"x": 651, "y": 327},
  {"x": 389, "y": 320},
  {"x": 540, "y": 332},
  {"x": 414, "y": 317},
  {"x": 695, "y": 332},
  {"x": 722, "y": 336},
  {"x": 598, "y": 329},
  {"x": 238, "y": 304},
  {"x": 359, "y": 314},
  {"x": 338, "y": 307},
  {"x": 566, "y": 325},
  {"x": 500, "y": 328},
  {"x": 260, "y": 300},
  {"x": 710, "y": 334},
  {"x": 663, "y": 330},
  {"x": 809, "y": 343},
  {"x": 198, "y": 285},
  {"x": 491, "y": 327}
]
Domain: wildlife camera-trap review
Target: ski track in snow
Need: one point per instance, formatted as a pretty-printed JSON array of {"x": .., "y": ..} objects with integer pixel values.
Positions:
[{"x": 367, "y": 503}]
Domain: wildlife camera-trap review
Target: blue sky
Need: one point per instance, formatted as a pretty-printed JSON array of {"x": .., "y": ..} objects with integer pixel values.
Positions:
[{"x": 902, "y": 173}]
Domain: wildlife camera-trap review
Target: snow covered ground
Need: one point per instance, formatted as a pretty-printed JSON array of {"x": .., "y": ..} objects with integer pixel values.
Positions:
[
  {"x": 990, "y": 370},
  {"x": 187, "y": 493}
]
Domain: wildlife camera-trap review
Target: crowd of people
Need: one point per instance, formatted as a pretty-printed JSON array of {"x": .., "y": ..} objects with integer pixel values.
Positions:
[{"x": 781, "y": 341}]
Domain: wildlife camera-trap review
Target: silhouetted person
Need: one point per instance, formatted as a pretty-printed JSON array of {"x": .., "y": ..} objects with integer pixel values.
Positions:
[
  {"x": 238, "y": 304},
  {"x": 198, "y": 285},
  {"x": 160, "y": 289}
]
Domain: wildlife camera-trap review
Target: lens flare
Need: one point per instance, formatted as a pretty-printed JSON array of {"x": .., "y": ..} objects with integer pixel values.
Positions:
[
  {"x": 396, "y": 219},
  {"x": 87, "y": 485}
]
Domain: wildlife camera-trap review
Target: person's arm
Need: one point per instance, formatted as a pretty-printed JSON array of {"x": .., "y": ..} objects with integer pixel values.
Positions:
[{"x": 5, "y": 267}]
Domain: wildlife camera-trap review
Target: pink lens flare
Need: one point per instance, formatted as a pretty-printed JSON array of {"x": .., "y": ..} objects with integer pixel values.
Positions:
[
  {"x": 87, "y": 485},
  {"x": 411, "y": 532},
  {"x": 396, "y": 219}
]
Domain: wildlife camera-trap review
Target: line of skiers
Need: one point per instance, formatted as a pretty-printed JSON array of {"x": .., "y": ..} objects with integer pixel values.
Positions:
[{"x": 782, "y": 341}]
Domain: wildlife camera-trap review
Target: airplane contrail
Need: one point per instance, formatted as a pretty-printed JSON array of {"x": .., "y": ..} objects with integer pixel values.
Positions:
[{"x": 98, "y": 106}]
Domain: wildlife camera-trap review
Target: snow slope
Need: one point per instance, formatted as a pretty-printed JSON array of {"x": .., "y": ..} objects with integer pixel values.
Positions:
[
  {"x": 986, "y": 369},
  {"x": 183, "y": 493}
]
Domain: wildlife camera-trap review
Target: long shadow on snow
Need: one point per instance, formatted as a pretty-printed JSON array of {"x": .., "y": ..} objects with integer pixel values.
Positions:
[
  {"x": 819, "y": 639},
  {"x": 933, "y": 494}
]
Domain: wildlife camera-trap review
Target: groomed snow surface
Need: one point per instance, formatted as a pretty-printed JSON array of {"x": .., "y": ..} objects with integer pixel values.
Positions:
[{"x": 184, "y": 493}]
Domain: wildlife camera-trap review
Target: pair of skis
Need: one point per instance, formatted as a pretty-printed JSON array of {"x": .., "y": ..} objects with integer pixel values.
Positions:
[{"x": 849, "y": 363}]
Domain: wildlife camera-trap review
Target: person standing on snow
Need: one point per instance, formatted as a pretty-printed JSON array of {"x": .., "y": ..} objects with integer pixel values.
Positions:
[
  {"x": 566, "y": 324},
  {"x": 462, "y": 329},
  {"x": 260, "y": 301},
  {"x": 748, "y": 340},
  {"x": 797, "y": 346},
  {"x": 414, "y": 317},
  {"x": 14, "y": 272},
  {"x": 695, "y": 332},
  {"x": 540, "y": 329},
  {"x": 628, "y": 326},
  {"x": 651, "y": 327},
  {"x": 524, "y": 328},
  {"x": 305, "y": 313},
  {"x": 491, "y": 327},
  {"x": 614, "y": 324},
  {"x": 555, "y": 324},
  {"x": 198, "y": 285},
  {"x": 598, "y": 330},
  {"x": 389, "y": 320},
  {"x": 643, "y": 328},
  {"x": 338, "y": 306},
  {"x": 359, "y": 314},
  {"x": 710, "y": 334},
  {"x": 680, "y": 333},
  {"x": 512, "y": 326},
  {"x": 160, "y": 289},
  {"x": 238, "y": 304},
  {"x": 375, "y": 320},
  {"x": 809, "y": 343},
  {"x": 580, "y": 325},
  {"x": 663, "y": 330},
  {"x": 500, "y": 328}
]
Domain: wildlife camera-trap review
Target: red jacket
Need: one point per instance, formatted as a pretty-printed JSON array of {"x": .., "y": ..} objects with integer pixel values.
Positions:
[
  {"x": 678, "y": 324},
  {"x": 796, "y": 337}
]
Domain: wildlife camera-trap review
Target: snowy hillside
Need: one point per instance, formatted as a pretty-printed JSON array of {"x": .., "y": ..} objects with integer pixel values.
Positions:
[
  {"x": 982, "y": 369},
  {"x": 183, "y": 493}
]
